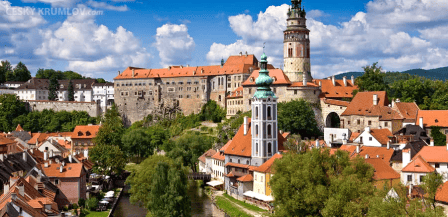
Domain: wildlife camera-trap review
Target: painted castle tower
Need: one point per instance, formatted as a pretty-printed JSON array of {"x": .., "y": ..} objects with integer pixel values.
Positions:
[
  {"x": 264, "y": 117},
  {"x": 296, "y": 44}
]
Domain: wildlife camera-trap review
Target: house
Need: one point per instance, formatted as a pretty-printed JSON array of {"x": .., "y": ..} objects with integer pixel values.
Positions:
[
  {"x": 374, "y": 137},
  {"x": 335, "y": 136},
  {"x": 20, "y": 198},
  {"x": 408, "y": 110},
  {"x": 428, "y": 118},
  {"x": 218, "y": 161},
  {"x": 54, "y": 147},
  {"x": 82, "y": 158},
  {"x": 6, "y": 144},
  {"x": 33, "y": 89},
  {"x": 384, "y": 175},
  {"x": 82, "y": 137},
  {"x": 13, "y": 84},
  {"x": 410, "y": 133},
  {"x": 371, "y": 109},
  {"x": 367, "y": 152},
  {"x": 205, "y": 165},
  {"x": 262, "y": 175},
  {"x": 17, "y": 164},
  {"x": 103, "y": 94},
  {"x": 397, "y": 158},
  {"x": 70, "y": 178},
  {"x": 235, "y": 102}
]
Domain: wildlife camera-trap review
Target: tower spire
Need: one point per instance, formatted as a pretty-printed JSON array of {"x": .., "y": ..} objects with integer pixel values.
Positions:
[{"x": 263, "y": 82}]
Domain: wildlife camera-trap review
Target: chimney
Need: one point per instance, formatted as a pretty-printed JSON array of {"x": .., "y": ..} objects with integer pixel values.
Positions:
[
  {"x": 320, "y": 83},
  {"x": 246, "y": 53},
  {"x": 2, "y": 157},
  {"x": 21, "y": 190},
  {"x": 24, "y": 156},
  {"x": 393, "y": 103},
  {"x": 118, "y": 72},
  {"x": 46, "y": 165},
  {"x": 345, "y": 80},
  {"x": 388, "y": 145},
  {"x": 420, "y": 121},
  {"x": 45, "y": 155},
  {"x": 133, "y": 72},
  {"x": 246, "y": 125},
  {"x": 304, "y": 79},
  {"x": 431, "y": 143},
  {"x": 317, "y": 143},
  {"x": 61, "y": 169},
  {"x": 5, "y": 188},
  {"x": 188, "y": 65},
  {"x": 357, "y": 149},
  {"x": 241, "y": 53},
  {"x": 353, "y": 80},
  {"x": 367, "y": 156},
  {"x": 70, "y": 158},
  {"x": 86, "y": 153},
  {"x": 333, "y": 81},
  {"x": 406, "y": 153},
  {"x": 375, "y": 99},
  {"x": 51, "y": 153},
  {"x": 32, "y": 151},
  {"x": 367, "y": 129}
]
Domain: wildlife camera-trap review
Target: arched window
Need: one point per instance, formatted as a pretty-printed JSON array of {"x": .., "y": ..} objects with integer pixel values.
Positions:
[
  {"x": 219, "y": 81},
  {"x": 269, "y": 131},
  {"x": 269, "y": 149},
  {"x": 269, "y": 113},
  {"x": 256, "y": 149},
  {"x": 256, "y": 112},
  {"x": 256, "y": 130}
]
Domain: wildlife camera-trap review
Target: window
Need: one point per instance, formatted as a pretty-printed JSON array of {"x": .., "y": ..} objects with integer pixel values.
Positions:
[
  {"x": 269, "y": 113},
  {"x": 255, "y": 177},
  {"x": 437, "y": 165},
  {"x": 359, "y": 122},
  {"x": 421, "y": 179},
  {"x": 386, "y": 123},
  {"x": 269, "y": 131},
  {"x": 369, "y": 123},
  {"x": 348, "y": 122},
  {"x": 360, "y": 139},
  {"x": 370, "y": 138},
  {"x": 269, "y": 149},
  {"x": 256, "y": 112},
  {"x": 56, "y": 182},
  {"x": 250, "y": 90},
  {"x": 409, "y": 178},
  {"x": 295, "y": 92},
  {"x": 261, "y": 178},
  {"x": 230, "y": 159},
  {"x": 256, "y": 149}
]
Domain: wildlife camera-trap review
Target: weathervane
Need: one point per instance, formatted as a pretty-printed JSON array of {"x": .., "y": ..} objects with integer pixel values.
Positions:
[{"x": 263, "y": 46}]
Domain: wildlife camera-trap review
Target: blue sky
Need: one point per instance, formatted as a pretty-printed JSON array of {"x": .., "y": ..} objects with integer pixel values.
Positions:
[{"x": 345, "y": 35}]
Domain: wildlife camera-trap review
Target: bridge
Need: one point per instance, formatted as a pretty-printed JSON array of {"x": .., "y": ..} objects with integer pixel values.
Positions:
[{"x": 200, "y": 176}]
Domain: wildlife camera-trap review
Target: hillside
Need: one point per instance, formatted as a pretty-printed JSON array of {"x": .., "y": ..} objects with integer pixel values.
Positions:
[{"x": 434, "y": 74}]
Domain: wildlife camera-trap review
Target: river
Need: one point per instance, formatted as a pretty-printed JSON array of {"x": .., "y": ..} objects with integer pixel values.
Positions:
[{"x": 201, "y": 205}]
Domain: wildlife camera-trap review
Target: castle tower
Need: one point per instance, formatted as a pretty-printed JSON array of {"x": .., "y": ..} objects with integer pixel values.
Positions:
[
  {"x": 296, "y": 44},
  {"x": 264, "y": 117}
]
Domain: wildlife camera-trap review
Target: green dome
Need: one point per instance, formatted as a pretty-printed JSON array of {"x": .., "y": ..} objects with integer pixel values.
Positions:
[
  {"x": 263, "y": 81},
  {"x": 264, "y": 57}
]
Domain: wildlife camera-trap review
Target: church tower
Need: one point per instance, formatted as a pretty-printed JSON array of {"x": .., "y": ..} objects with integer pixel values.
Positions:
[
  {"x": 264, "y": 117},
  {"x": 296, "y": 44}
]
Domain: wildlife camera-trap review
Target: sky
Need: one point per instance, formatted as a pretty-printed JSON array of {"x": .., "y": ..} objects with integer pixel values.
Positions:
[{"x": 98, "y": 38}]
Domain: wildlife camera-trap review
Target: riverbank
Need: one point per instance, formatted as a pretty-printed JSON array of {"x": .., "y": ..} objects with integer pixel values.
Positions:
[{"x": 235, "y": 208}]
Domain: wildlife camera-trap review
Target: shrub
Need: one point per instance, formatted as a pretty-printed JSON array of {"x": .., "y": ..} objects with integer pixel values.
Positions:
[
  {"x": 81, "y": 202},
  {"x": 92, "y": 203}
]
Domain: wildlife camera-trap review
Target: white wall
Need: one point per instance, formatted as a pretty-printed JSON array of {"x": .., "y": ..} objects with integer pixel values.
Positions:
[
  {"x": 259, "y": 183},
  {"x": 415, "y": 178},
  {"x": 337, "y": 134},
  {"x": 367, "y": 139},
  {"x": 218, "y": 169}
]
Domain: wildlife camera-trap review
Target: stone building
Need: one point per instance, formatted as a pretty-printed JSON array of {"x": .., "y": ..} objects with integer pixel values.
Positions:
[
  {"x": 139, "y": 92},
  {"x": 235, "y": 102}
]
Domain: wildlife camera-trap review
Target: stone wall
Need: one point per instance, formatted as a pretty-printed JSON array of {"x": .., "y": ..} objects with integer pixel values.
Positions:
[{"x": 92, "y": 108}]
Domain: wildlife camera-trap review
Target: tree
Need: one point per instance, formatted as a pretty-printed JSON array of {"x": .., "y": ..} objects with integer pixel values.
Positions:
[
  {"x": 137, "y": 142},
  {"x": 71, "y": 92},
  {"x": 438, "y": 136},
  {"x": 52, "y": 90},
  {"x": 21, "y": 73},
  {"x": 431, "y": 184},
  {"x": 108, "y": 159},
  {"x": 100, "y": 80},
  {"x": 316, "y": 183},
  {"x": 10, "y": 108},
  {"x": 70, "y": 75},
  {"x": 189, "y": 147},
  {"x": 295, "y": 144},
  {"x": 5, "y": 68},
  {"x": 297, "y": 117},
  {"x": 112, "y": 128},
  {"x": 372, "y": 79},
  {"x": 212, "y": 112}
]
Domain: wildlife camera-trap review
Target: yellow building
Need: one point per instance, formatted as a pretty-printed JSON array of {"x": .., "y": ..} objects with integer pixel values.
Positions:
[{"x": 262, "y": 175}]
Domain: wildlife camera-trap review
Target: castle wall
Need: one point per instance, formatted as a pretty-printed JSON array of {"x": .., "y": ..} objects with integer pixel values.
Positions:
[{"x": 91, "y": 108}]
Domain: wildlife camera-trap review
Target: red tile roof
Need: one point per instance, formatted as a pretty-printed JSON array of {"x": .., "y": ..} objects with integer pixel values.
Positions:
[
  {"x": 434, "y": 154},
  {"x": 85, "y": 132},
  {"x": 382, "y": 169},
  {"x": 238, "y": 93},
  {"x": 246, "y": 178},
  {"x": 408, "y": 110},
  {"x": 71, "y": 170},
  {"x": 41, "y": 137},
  {"x": 230, "y": 174},
  {"x": 382, "y": 135},
  {"x": 418, "y": 164},
  {"x": 208, "y": 153},
  {"x": 336, "y": 102},
  {"x": 338, "y": 91},
  {"x": 376, "y": 152},
  {"x": 266, "y": 166},
  {"x": 19, "y": 128},
  {"x": 277, "y": 74},
  {"x": 442, "y": 193},
  {"x": 6, "y": 141},
  {"x": 300, "y": 84},
  {"x": 220, "y": 155},
  {"x": 348, "y": 148},
  {"x": 433, "y": 118},
  {"x": 244, "y": 166},
  {"x": 354, "y": 136},
  {"x": 363, "y": 102}
]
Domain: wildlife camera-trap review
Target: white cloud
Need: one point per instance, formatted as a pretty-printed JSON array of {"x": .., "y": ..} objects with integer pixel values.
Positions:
[
  {"x": 316, "y": 14},
  {"x": 104, "y": 5},
  {"x": 13, "y": 17},
  {"x": 55, "y": 3},
  {"x": 174, "y": 44}
]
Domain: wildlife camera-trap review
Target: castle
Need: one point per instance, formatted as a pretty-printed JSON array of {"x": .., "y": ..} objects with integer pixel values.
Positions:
[{"x": 140, "y": 92}]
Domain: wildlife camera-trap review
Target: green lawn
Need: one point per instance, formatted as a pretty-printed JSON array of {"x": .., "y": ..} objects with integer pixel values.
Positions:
[
  {"x": 229, "y": 208},
  {"x": 98, "y": 214},
  {"x": 245, "y": 205}
]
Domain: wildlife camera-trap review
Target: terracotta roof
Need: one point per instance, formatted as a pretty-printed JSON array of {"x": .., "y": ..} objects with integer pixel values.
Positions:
[
  {"x": 348, "y": 148},
  {"x": 300, "y": 84},
  {"x": 208, "y": 153},
  {"x": 230, "y": 174},
  {"x": 71, "y": 170},
  {"x": 433, "y": 118},
  {"x": 66, "y": 144},
  {"x": 85, "y": 132},
  {"x": 442, "y": 193},
  {"x": 338, "y": 91},
  {"x": 266, "y": 166},
  {"x": 238, "y": 93},
  {"x": 245, "y": 166},
  {"x": 41, "y": 137},
  {"x": 336, "y": 102},
  {"x": 434, "y": 154},
  {"x": 277, "y": 74},
  {"x": 354, "y": 136},
  {"x": 418, "y": 164},
  {"x": 220, "y": 155},
  {"x": 85, "y": 161},
  {"x": 313, "y": 143},
  {"x": 286, "y": 134},
  {"x": 363, "y": 102},
  {"x": 382, "y": 135},
  {"x": 385, "y": 113},
  {"x": 373, "y": 152},
  {"x": 382, "y": 169},
  {"x": 19, "y": 128},
  {"x": 246, "y": 178},
  {"x": 408, "y": 110},
  {"x": 6, "y": 141}
]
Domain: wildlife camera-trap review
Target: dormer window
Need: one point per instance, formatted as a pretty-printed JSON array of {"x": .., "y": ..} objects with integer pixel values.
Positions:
[
  {"x": 80, "y": 133},
  {"x": 88, "y": 133}
]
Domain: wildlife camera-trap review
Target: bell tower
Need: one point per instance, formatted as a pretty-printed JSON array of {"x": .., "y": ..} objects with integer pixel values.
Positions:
[
  {"x": 264, "y": 117},
  {"x": 296, "y": 44}
]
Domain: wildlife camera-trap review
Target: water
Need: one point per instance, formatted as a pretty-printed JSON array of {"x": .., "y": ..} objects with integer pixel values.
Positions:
[{"x": 201, "y": 205}]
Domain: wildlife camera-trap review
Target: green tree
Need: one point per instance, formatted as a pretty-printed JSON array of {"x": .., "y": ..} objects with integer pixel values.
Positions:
[
  {"x": 297, "y": 117},
  {"x": 137, "y": 142},
  {"x": 21, "y": 73},
  {"x": 112, "y": 128},
  {"x": 212, "y": 112},
  {"x": 5, "y": 68},
  {"x": 431, "y": 184},
  {"x": 100, "y": 80},
  {"x": 70, "y": 75},
  {"x": 189, "y": 147},
  {"x": 71, "y": 92},
  {"x": 52, "y": 90},
  {"x": 371, "y": 80},
  {"x": 316, "y": 183},
  {"x": 438, "y": 136},
  {"x": 295, "y": 144},
  {"x": 108, "y": 159},
  {"x": 10, "y": 108},
  {"x": 169, "y": 192},
  {"x": 49, "y": 73}
]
